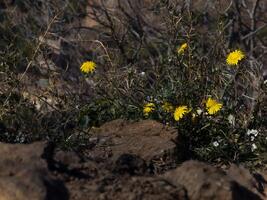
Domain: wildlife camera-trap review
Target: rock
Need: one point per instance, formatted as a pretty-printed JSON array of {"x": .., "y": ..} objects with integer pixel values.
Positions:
[
  {"x": 17, "y": 157},
  {"x": 70, "y": 159},
  {"x": 262, "y": 180},
  {"x": 146, "y": 188},
  {"x": 23, "y": 186},
  {"x": 203, "y": 181},
  {"x": 130, "y": 164},
  {"x": 128, "y": 187},
  {"x": 148, "y": 139},
  {"x": 243, "y": 177},
  {"x": 24, "y": 174},
  {"x": 147, "y": 9},
  {"x": 36, "y": 171},
  {"x": 265, "y": 184}
]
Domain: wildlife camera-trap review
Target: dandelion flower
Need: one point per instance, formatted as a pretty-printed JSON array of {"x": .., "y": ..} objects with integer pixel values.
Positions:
[
  {"x": 234, "y": 57},
  {"x": 88, "y": 67},
  {"x": 167, "y": 107},
  {"x": 148, "y": 108},
  {"x": 180, "y": 112},
  {"x": 213, "y": 106},
  {"x": 182, "y": 48}
]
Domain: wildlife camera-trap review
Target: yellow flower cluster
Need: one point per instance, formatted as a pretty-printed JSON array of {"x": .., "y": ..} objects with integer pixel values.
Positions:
[
  {"x": 233, "y": 58},
  {"x": 212, "y": 107},
  {"x": 88, "y": 67},
  {"x": 150, "y": 107}
]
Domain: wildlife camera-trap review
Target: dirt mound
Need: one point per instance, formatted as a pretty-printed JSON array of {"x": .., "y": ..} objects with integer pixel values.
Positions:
[{"x": 115, "y": 167}]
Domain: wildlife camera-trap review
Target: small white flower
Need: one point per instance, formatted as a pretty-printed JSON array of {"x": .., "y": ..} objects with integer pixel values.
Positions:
[
  {"x": 231, "y": 119},
  {"x": 256, "y": 133},
  {"x": 142, "y": 73},
  {"x": 216, "y": 144},
  {"x": 253, "y": 147},
  {"x": 199, "y": 111},
  {"x": 157, "y": 101},
  {"x": 252, "y": 132}
]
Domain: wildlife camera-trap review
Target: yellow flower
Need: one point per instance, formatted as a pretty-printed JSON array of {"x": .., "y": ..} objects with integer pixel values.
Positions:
[
  {"x": 182, "y": 48},
  {"x": 213, "y": 106},
  {"x": 180, "y": 112},
  {"x": 148, "y": 108},
  {"x": 88, "y": 67},
  {"x": 234, "y": 57},
  {"x": 167, "y": 107}
]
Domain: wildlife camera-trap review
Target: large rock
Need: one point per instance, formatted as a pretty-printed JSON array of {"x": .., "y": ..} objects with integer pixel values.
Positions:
[
  {"x": 148, "y": 139},
  {"x": 24, "y": 174},
  {"x": 204, "y": 181}
]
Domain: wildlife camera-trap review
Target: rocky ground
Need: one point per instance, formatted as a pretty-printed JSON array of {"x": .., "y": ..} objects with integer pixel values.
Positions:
[{"x": 126, "y": 160}]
